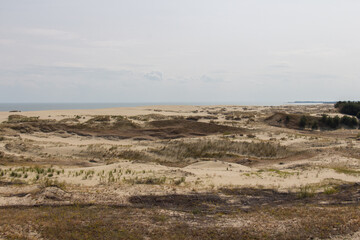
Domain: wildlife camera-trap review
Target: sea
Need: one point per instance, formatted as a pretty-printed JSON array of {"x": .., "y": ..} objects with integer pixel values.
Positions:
[{"x": 23, "y": 107}]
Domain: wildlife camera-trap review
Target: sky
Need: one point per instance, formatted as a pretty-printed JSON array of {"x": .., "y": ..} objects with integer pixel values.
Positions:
[{"x": 179, "y": 50}]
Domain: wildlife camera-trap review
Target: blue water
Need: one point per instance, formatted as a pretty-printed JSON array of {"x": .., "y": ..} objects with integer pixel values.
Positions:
[
  {"x": 67, "y": 106},
  {"x": 61, "y": 106}
]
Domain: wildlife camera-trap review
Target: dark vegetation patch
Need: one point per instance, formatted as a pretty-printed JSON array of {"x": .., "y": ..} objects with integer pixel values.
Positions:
[
  {"x": 193, "y": 128},
  {"x": 337, "y": 122},
  {"x": 287, "y": 120},
  {"x": 118, "y": 127},
  {"x": 298, "y": 121},
  {"x": 346, "y": 194},
  {"x": 193, "y": 202},
  {"x": 197, "y": 118},
  {"x": 348, "y": 107},
  {"x": 249, "y": 199}
]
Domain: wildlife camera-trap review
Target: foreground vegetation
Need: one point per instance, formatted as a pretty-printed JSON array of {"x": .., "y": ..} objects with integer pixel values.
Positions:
[{"x": 107, "y": 222}]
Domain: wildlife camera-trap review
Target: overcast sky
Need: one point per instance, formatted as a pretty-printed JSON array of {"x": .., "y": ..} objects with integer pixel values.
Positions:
[{"x": 179, "y": 50}]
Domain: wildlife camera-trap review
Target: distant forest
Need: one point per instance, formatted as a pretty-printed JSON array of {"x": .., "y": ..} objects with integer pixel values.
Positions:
[
  {"x": 349, "y": 108},
  {"x": 344, "y": 107}
]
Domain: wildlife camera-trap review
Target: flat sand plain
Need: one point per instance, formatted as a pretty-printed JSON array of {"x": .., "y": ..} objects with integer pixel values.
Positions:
[{"x": 179, "y": 172}]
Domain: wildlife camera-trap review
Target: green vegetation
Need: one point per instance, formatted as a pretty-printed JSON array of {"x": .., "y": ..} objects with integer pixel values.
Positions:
[
  {"x": 303, "y": 121},
  {"x": 348, "y": 107},
  {"x": 306, "y": 192},
  {"x": 328, "y": 122},
  {"x": 347, "y": 171},
  {"x": 331, "y": 190},
  {"x": 53, "y": 183},
  {"x": 349, "y": 121},
  {"x": 282, "y": 174}
]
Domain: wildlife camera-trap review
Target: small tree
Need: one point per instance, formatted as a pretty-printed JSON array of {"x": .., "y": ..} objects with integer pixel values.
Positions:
[
  {"x": 324, "y": 118},
  {"x": 314, "y": 126},
  {"x": 287, "y": 119},
  {"x": 336, "y": 122},
  {"x": 354, "y": 121},
  {"x": 330, "y": 121},
  {"x": 303, "y": 121}
]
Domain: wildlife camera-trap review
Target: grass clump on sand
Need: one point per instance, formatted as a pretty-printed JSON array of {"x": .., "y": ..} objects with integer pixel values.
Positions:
[
  {"x": 147, "y": 180},
  {"x": 53, "y": 183},
  {"x": 306, "y": 191},
  {"x": 20, "y": 119},
  {"x": 221, "y": 149},
  {"x": 347, "y": 171}
]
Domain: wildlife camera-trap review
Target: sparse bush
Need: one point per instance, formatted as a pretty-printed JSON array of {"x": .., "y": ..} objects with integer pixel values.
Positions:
[
  {"x": 287, "y": 119},
  {"x": 314, "y": 126},
  {"x": 53, "y": 183},
  {"x": 179, "y": 181},
  {"x": 99, "y": 119},
  {"x": 330, "y": 190},
  {"x": 306, "y": 192}
]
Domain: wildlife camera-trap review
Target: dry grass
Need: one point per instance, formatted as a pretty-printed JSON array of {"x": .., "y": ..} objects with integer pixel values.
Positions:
[
  {"x": 102, "y": 222},
  {"x": 114, "y": 153},
  {"x": 221, "y": 149},
  {"x": 21, "y": 119},
  {"x": 347, "y": 171}
]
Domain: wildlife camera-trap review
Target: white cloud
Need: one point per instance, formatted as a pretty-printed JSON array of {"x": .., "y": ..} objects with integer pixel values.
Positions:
[{"x": 154, "y": 76}]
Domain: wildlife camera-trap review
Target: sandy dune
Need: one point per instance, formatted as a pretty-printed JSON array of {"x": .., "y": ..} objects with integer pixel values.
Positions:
[{"x": 132, "y": 156}]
